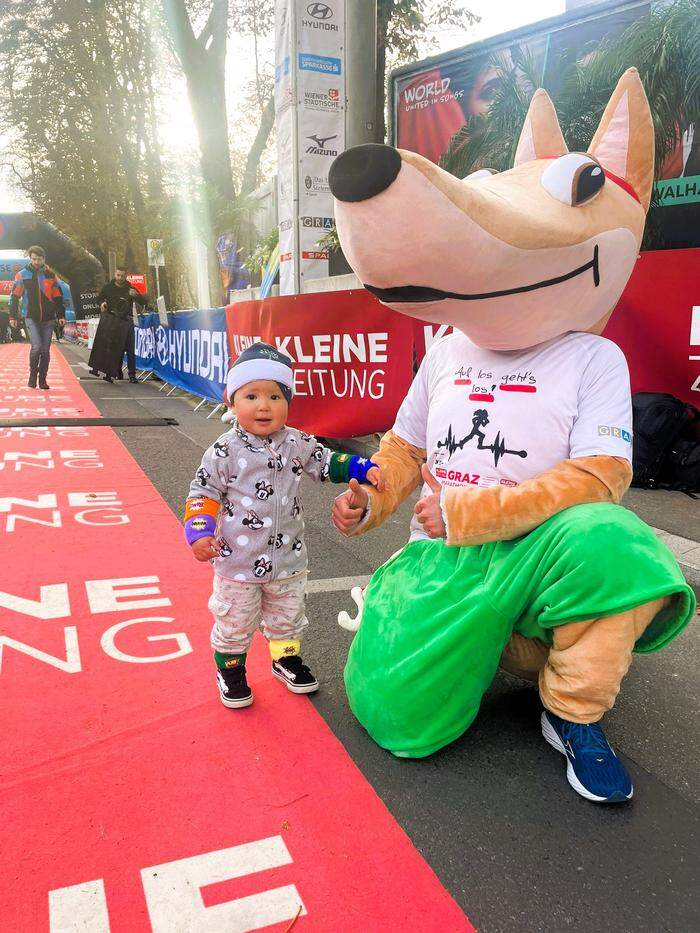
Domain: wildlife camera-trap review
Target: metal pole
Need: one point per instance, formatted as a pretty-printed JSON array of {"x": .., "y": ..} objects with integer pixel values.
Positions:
[
  {"x": 157, "y": 282},
  {"x": 296, "y": 160},
  {"x": 202, "y": 260},
  {"x": 360, "y": 72}
]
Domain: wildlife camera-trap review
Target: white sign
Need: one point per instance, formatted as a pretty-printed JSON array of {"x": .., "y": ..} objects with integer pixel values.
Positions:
[
  {"x": 310, "y": 126},
  {"x": 155, "y": 252},
  {"x": 162, "y": 311}
]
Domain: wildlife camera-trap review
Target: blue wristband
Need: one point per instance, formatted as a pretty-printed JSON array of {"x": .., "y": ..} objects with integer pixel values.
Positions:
[
  {"x": 199, "y": 526},
  {"x": 359, "y": 467}
]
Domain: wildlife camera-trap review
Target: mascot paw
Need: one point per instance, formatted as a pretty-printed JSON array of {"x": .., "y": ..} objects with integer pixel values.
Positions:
[{"x": 345, "y": 620}]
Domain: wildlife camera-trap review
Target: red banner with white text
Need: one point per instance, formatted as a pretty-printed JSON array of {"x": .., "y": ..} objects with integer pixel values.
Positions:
[
  {"x": 353, "y": 358},
  {"x": 657, "y": 323}
]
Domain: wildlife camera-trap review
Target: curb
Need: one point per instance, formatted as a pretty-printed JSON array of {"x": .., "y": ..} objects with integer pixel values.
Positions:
[{"x": 686, "y": 552}]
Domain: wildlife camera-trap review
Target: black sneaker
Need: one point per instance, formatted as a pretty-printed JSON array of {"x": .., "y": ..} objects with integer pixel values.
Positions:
[
  {"x": 108, "y": 379},
  {"x": 93, "y": 372},
  {"x": 133, "y": 380},
  {"x": 233, "y": 687},
  {"x": 43, "y": 384},
  {"x": 31, "y": 384},
  {"x": 295, "y": 674}
]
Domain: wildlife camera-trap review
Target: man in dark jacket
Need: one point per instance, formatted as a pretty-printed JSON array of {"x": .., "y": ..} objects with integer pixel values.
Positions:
[
  {"x": 117, "y": 298},
  {"x": 38, "y": 300}
]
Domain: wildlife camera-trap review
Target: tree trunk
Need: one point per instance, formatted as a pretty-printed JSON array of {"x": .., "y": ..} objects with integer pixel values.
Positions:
[
  {"x": 267, "y": 121},
  {"x": 203, "y": 60},
  {"x": 208, "y": 99}
]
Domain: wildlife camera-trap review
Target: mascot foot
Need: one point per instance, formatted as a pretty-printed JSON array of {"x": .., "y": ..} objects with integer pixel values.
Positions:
[
  {"x": 593, "y": 769},
  {"x": 345, "y": 620}
]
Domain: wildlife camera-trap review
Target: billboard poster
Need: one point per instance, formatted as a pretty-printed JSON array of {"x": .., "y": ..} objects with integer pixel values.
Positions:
[{"x": 433, "y": 100}]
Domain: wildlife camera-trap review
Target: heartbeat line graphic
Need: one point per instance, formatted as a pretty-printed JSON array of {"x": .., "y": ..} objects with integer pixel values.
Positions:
[
  {"x": 499, "y": 449},
  {"x": 480, "y": 419},
  {"x": 450, "y": 444}
]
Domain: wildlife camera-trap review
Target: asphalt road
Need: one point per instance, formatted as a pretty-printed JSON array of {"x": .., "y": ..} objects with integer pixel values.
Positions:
[{"x": 492, "y": 814}]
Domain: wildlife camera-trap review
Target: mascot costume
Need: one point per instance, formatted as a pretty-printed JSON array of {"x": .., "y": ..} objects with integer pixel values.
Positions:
[{"x": 519, "y": 424}]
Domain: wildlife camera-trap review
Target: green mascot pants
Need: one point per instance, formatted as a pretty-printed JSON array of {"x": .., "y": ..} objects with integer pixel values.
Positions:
[{"x": 436, "y": 618}]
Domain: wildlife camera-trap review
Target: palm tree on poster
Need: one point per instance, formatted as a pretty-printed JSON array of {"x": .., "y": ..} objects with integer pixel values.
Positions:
[{"x": 664, "y": 47}]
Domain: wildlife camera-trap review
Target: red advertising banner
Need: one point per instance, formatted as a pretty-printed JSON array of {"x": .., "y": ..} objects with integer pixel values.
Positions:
[
  {"x": 353, "y": 357},
  {"x": 6, "y": 287},
  {"x": 657, "y": 323},
  {"x": 138, "y": 281}
]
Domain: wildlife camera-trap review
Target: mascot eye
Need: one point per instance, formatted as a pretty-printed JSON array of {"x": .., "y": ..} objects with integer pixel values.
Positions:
[
  {"x": 573, "y": 179},
  {"x": 482, "y": 173}
]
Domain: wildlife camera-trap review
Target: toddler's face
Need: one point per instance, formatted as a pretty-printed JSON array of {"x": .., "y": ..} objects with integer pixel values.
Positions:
[{"x": 260, "y": 407}]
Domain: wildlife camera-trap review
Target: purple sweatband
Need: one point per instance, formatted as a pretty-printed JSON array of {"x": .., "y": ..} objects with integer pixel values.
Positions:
[{"x": 199, "y": 526}]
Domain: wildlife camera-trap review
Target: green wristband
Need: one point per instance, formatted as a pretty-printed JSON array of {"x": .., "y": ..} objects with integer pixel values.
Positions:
[{"x": 339, "y": 466}]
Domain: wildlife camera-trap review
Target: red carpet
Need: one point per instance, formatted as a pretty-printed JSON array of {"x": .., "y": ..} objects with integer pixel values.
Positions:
[{"x": 131, "y": 799}]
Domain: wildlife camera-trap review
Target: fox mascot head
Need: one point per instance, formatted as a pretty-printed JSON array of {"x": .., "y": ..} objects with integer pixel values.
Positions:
[{"x": 513, "y": 258}]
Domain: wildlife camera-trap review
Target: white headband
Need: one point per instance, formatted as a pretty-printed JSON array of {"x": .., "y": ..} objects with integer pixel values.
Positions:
[{"x": 251, "y": 370}]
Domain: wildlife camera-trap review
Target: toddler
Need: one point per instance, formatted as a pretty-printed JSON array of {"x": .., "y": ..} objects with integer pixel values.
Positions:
[{"x": 244, "y": 514}]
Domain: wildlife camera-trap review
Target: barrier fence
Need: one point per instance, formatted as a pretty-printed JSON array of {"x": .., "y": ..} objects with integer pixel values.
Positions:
[{"x": 354, "y": 359}]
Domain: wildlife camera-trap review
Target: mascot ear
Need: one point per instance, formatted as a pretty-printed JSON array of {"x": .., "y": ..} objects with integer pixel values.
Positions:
[
  {"x": 541, "y": 135},
  {"x": 624, "y": 140}
]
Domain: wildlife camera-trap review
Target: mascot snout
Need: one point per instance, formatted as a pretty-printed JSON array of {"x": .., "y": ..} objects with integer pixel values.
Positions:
[{"x": 363, "y": 172}]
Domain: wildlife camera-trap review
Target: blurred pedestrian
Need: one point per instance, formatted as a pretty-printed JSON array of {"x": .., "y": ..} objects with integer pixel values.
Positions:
[{"x": 37, "y": 300}]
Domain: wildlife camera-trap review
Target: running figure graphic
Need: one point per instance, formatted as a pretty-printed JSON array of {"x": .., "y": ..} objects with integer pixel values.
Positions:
[{"x": 480, "y": 419}]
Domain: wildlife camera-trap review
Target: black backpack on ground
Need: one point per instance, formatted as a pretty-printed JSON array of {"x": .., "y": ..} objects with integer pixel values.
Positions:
[{"x": 666, "y": 442}]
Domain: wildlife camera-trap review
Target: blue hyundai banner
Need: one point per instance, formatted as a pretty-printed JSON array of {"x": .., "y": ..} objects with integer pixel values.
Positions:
[{"x": 191, "y": 353}]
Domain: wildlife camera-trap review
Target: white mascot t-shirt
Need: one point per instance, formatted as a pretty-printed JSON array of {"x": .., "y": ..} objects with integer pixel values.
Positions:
[{"x": 491, "y": 418}]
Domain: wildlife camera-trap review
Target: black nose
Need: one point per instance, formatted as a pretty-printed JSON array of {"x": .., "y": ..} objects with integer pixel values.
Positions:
[{"x": 363, "y": 172}]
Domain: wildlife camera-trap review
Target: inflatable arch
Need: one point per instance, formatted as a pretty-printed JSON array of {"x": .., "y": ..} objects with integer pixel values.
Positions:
[{"x": 84, "y": 272}]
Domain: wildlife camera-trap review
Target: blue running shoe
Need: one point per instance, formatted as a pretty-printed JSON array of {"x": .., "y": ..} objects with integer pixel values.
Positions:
[{"x": 593, "y": 769}]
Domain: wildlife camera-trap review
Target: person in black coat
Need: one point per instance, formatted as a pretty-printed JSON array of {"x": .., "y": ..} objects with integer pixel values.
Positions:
[{"x": 117, "y": 298}]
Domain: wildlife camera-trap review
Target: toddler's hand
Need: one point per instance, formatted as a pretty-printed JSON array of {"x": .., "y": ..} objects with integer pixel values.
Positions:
[
  {"x": 205, "y": 548},
  {"x": 374, "y": 475}
]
